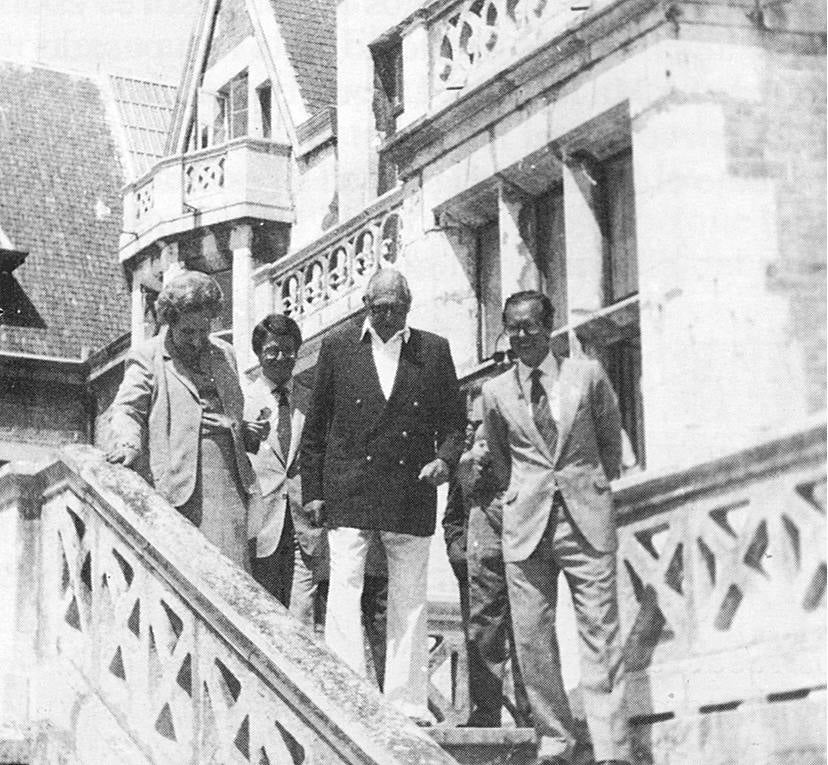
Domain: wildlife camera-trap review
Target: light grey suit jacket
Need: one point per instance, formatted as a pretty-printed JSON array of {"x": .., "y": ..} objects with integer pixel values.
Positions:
[
  {"x": 157, "y": 404},
  {"x": 528, "y": 470},
  {"x": 278, "y": 473}
]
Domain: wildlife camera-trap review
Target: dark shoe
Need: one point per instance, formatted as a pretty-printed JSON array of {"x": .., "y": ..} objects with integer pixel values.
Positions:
[
  {"x": 421, "y": 722},
  {"x": 551, "y": 760}
]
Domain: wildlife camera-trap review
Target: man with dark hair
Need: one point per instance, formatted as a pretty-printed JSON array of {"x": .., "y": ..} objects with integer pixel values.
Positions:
[
  {"x": 290, "y": 554},
  {"x": 553, "y": 430},
  {"x": 471, "y": 526},
  {"x": 384, "y": 428}
]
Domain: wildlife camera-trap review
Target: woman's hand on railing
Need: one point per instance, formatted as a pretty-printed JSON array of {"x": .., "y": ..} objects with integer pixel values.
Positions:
[{"x": 123, "y": 454}]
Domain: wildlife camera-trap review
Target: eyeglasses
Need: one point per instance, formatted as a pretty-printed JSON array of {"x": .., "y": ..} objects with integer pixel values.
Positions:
[
  {"x": 530, "y": 330},
  {"x": 387, "y": 309},
  {"x": 279, "y": 354}
]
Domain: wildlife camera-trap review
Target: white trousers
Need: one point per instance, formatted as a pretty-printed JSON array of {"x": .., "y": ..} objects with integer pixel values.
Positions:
[{"x": 406, "y": 658}]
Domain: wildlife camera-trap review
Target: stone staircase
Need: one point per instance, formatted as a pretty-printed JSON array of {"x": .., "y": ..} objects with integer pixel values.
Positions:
[{"x": 127, "y": 638}]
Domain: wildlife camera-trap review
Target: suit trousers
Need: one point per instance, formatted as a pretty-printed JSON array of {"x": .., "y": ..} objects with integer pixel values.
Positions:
[
  {"x": 274, "y": 572},
  {"x": 406, "y": 655},
  {"x": 591, "y": 577},
  {"x": 491, "y": 643}
]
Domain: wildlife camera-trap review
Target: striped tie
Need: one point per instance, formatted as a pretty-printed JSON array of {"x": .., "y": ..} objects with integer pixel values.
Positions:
[{"x": 541, "y": 412}]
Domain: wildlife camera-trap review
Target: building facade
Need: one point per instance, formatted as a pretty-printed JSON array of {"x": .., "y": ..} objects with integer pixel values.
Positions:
[{"x": 658, "y": 169}]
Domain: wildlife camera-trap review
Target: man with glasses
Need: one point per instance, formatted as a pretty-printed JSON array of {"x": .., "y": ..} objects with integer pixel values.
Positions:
[
  {"x": 290, "y": 553},
  {"x": 384, "y": 427},
  {"x": 554, "y": 435}
]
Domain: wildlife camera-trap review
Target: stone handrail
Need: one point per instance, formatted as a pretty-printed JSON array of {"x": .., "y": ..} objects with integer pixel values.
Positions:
[
  {"x": 323, "y": 282},
  {"x": 137, "y": 641}
]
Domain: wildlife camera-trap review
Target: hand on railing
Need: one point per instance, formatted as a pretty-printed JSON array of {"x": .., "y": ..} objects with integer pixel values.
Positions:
[{"x": 123, "y": 454}]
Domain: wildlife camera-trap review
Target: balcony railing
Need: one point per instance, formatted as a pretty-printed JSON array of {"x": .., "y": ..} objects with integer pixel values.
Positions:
[
  {"x": 323, "y": 283},
  {"x": 473, "y": 38},
  {"x": 247, "y": 177},
  {"x": 128, "y": 637}
]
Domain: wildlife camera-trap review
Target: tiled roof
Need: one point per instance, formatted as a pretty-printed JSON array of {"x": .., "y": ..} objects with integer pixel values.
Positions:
[
  {"x": 60, "y": 201},
  {"x": 145, "y": 110},
  {"x": 309, "y": 31}
]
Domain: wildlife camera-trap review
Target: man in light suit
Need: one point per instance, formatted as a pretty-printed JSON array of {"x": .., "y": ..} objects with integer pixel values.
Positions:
[
  {"x": 554, "y": 434},
  {"x": 290, "y": 555},
  {"x": 384, "y": 427}
]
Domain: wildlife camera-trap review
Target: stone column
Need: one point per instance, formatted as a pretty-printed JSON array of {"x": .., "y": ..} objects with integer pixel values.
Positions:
[
  {"x": 20, "y": 566},
  {"x": 241, "y": 242},
  {"x": 584, "y": 243},
  {"x": 518, "y": 268}
]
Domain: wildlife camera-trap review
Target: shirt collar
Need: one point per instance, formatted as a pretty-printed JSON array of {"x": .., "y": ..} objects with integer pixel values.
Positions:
[
  {"x": 274, "y": 389},
  {"x": 404, "y": 333},
  {"x": 548, "y": 368}
]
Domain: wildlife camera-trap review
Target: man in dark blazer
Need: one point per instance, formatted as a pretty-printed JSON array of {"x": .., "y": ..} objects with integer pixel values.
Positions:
[
  {"x": 383, "y": 429},
  {"x": 553, "y": 430}
]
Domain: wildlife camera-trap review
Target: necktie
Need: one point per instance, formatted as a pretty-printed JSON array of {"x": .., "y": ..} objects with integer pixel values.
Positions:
[
  {"x": 284, "y": 426},
  {"x": 541, "y": 412}
]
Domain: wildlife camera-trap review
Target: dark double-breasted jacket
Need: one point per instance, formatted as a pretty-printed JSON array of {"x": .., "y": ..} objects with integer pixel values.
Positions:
[{"x": 362, "y": 453}]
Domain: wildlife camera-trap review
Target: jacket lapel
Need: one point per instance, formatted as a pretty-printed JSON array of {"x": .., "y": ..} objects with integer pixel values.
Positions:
[
  {"x": 519, "y": 408},
  {"x": 408, "y": 370},
  {"x": 570, "y": 395},
  {"x": 176, "y": 367},
  {"x": 366, "y": 380}
]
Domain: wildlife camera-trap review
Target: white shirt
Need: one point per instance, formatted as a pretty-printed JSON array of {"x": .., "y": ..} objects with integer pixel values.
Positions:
[
  {"x": 548, "y": 379},
  {"x": 386, "y": 355}
]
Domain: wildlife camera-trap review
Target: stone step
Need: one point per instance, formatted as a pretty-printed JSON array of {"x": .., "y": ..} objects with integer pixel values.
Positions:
[{"x": 492, "y": 746}]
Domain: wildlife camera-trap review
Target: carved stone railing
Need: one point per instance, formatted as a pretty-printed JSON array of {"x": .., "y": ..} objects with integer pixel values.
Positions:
[
  {"x": 247, "y": 177},
  {"x": 722, "y": 587},
  {"x": 134, "y": 640},
  {"x": 322, "y": 283},
  {"x": 472, "y": 39}
]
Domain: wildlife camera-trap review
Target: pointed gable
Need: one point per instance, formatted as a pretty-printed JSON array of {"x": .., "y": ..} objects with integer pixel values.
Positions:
[{"x": 232, "y": 25}]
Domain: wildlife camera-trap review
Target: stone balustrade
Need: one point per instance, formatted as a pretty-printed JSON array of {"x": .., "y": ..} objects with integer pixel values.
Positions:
[
  {"x": 246, "y": 177},
  {"x": 722, "y": 588},
  {"x": 132, "y": 639},
  {"x": 471, "y": 40},
  {"x": 323, "y": 283}
]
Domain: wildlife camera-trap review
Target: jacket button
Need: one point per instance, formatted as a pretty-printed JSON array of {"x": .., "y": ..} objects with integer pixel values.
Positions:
[
  {"x": 368, "y": 458},
  {"x": 358, "y": 401},
  {"x": 402, "y": 462},
  {"x": 416, "y": 403},
  {"x": 405, "y": 434}
]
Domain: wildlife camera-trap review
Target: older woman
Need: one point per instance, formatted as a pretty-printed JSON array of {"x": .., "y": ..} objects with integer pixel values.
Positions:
[{"x": 181, "y": 398}]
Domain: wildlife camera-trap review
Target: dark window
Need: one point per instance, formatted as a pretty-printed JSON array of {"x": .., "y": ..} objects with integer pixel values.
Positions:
[
  {"x": 220, "y": 120},
  {"x": 551, "y": 248},
  {"x": 623, "y": 364},
  {"x": 238, "y": 106},
  {"x": 387, "y": 104},
  {"x": 618, "y": 228},
  {"x": 264, "y": 94}
]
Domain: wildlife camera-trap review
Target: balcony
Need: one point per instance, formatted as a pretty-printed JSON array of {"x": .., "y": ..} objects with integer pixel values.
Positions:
[
  {"x": 322, "y": 284},
  {"x": 245, "y": 178},
  {"x": 468, "y": 63}
]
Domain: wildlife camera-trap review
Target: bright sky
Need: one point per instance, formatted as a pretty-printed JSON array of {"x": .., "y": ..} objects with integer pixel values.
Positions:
[{"x": 141, "y": 38}]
